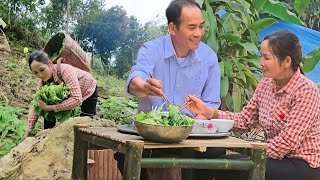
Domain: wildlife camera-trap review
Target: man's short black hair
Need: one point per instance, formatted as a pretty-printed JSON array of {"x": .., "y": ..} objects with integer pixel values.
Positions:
[{"x": 173, "y": 11}]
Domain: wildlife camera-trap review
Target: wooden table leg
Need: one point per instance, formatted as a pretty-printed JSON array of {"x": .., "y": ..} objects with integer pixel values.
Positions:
[
  {"x": 259, "y": 159},
  {"x": 80, "y": 156},
  {"x": 132, "y": 162}
]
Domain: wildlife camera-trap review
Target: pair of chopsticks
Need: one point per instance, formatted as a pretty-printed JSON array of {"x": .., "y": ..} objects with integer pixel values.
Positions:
[
  {"x": 163, "y": 96},
  {"x": 184, "y": 105}
]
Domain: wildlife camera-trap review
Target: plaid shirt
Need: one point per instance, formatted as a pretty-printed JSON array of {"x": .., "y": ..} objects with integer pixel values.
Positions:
[
  {"x": 290, "y": 118},
  {"x": 81, "y": 84}
]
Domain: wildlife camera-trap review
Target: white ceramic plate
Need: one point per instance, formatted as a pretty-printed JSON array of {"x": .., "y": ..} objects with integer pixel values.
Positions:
[{"x": 211, "y": 135}]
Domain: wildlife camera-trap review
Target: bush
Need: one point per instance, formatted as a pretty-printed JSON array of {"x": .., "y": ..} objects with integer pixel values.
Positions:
[
  {"x": 11, "y": 128},
  {"x": 118, "y": 109}
]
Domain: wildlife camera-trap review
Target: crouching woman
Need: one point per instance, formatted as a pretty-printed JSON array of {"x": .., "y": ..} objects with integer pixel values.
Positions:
[{"x": 82, "y": 86}]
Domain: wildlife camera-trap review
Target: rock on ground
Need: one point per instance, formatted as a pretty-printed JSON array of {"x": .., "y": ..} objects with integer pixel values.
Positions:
[{"x": 48, "y": 155}]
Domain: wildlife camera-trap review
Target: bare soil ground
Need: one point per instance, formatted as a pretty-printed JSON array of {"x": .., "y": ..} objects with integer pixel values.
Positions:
[{"x": 16, "y": 81}]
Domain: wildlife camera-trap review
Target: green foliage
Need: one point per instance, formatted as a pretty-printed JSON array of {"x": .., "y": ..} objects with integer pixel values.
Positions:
[
  {"x": 233, "y": 37},
  {"x": 22, "y": 25},
  {"x": 53, "y": 94},
  {"x": 2, "y": 23},
  {"x": 118, "y": 109},
  {"x": 109, "y": 85},
  {"x": 307, "y": 10},
  {"x": 127, "y": 52},
  {"x": 279, "y": 10},
  {"x": 311, "y": 60},
  {"x": 54, "y": 14},
  {"x": 159, "y": 117},
  {"x": 105, "y": 30},
  {"x": 11, "y": 128},
  {"x": 300, "y": 5}
]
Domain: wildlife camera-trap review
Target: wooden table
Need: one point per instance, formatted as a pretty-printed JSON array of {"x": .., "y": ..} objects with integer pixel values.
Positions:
[{"x": 133, "y": 145}]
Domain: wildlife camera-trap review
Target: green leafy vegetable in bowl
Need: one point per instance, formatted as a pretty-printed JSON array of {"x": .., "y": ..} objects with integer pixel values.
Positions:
[
  {"x": 53, "y": 94},
  {"x": 159, "y": 117}
]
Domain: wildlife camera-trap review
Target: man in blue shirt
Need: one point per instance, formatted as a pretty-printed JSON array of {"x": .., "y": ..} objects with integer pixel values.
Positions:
[{"x": 181, "y": 64}]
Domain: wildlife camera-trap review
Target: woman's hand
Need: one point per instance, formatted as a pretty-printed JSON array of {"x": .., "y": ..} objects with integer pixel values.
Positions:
[
  {"x": 26, "y": 134},
  {"x": 45, "y": 106},
  {"x": 196, "y": 105}
]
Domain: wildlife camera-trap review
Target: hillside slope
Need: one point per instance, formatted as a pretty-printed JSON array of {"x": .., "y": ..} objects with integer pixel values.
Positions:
[{"x": 17, "y": 83}]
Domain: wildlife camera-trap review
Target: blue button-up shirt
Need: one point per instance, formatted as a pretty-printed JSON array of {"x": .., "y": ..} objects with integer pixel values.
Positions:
[{"x": 198, "y": 74}]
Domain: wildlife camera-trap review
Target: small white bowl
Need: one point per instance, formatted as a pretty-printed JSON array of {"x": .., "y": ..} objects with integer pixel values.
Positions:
[
  {"x": 201, "y": 126},
  {"x": 223, "y": 125}
]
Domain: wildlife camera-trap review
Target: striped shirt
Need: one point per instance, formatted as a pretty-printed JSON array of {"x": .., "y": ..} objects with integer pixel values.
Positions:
[
  {"x": 81, "y": 84},
  {"x": 289, "y": 117}
]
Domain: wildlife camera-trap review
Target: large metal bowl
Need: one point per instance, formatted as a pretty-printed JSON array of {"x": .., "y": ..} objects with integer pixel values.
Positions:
[{"x": 163, "y": 134}]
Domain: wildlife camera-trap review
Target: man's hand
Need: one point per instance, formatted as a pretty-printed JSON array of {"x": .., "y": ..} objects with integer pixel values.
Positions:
[
  {"x": 153, "y": 87},
  {"x": 141, "y": 88}
]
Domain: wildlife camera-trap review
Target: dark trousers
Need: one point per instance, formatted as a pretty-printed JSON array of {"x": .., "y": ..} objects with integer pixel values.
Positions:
[
  {"x": 287, "y": 168},
  {"x": 184, "y": 153},
  {"x": 88, "y": 108}
]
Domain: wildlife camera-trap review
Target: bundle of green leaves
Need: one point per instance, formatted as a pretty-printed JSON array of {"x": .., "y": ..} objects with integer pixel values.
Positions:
[
  {"x": 54, "y": 94},
  {"x": 159, "y": 117}
]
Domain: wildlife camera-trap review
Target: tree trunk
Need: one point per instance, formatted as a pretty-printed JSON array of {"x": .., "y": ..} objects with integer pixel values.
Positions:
[
  {"x": 68, "y": 17},
  {"x": 9, "y": 13}
]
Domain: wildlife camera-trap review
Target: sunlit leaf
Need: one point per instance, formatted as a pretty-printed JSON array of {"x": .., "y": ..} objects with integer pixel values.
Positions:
[
  {"x": 250, "y": 47},
  {"x": 300, "y": 5},
  {"x": 212, "y": 39},
  {"x": 224, "y": 86},
  {"x": 221, "y": 67},
  {"x": 228, "y": 68},
  {"x": 229, "y": 102},
  {"x": 278, "y": 10},
  {"x": 206, "y": 26},
  {"x": 261, "y": 24},
  {"x": 258, "y": 4},
  {"x": 3, "y": 24},
  {"x": 236, "y": 97},
  {"x": 311, "y": 60},
  {"x": 234, "y": 38}
]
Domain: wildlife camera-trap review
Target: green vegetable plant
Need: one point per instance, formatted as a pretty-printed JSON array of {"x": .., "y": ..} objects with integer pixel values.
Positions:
[
  {"x": 54, "y": 94},
  {"x": 118, "y": 109},
  {"x": 11, "y": 128},
  {"x": 159, "y": 117}
]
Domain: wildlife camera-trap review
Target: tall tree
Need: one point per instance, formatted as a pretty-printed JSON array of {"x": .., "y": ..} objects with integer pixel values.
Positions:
[
  {"x": 127, "y": 52},
  {"x": 106, "y": 30}
]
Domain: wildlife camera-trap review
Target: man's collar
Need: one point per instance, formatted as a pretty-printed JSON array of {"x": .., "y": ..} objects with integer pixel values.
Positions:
[
  {"x": 170, "y": 51},
  {"x": 168, "y": 48}
]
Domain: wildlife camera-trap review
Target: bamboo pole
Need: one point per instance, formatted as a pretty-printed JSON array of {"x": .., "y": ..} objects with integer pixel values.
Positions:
[
  {"x": 105, "y": 165},
  {"x": 259, "y": 159},
  {"x": 110, "y": 155},
  {"x": 132, "y": 162},
  {"x": 197, "y": 163},
  {"x": 91, "y": 167}
]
